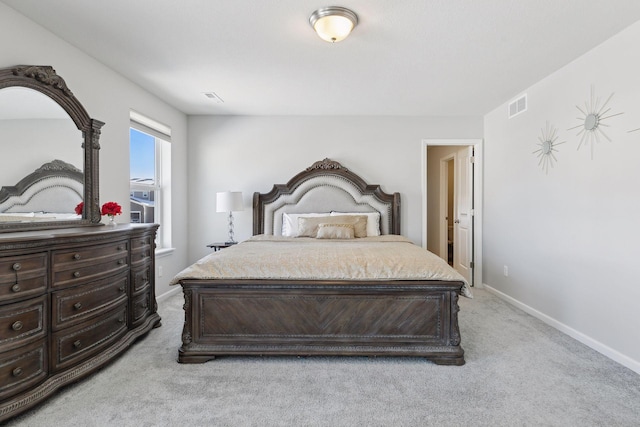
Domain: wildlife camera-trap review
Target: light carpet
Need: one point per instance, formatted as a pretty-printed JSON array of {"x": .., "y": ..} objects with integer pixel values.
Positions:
[{"x": 519, "y": 372}]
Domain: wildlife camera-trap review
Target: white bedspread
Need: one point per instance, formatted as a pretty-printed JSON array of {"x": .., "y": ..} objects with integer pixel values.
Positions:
[{"x": 385, "y": 257}]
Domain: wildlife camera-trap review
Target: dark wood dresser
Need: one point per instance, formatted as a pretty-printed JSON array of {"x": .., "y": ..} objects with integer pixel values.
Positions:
[{"x": 70, "y": 301}]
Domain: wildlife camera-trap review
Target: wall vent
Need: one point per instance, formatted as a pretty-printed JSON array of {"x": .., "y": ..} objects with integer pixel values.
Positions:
[{"x": 518, "y": 106}]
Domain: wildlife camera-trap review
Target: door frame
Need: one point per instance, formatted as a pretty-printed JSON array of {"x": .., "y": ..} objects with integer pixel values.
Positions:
[{"x": 477, "y": 198}]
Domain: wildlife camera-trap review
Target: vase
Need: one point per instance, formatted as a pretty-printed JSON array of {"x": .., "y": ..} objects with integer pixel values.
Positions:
[{"x": 112, "y": 221}]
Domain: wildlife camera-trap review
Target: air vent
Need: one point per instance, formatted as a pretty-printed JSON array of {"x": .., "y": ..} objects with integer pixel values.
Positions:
[
  {"x": 215, "y": 98},
  {"x": 518, "y": 106}
]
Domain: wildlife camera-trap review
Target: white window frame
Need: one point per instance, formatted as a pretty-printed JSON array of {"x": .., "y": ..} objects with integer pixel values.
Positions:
[{"x": 162, "y": 187}]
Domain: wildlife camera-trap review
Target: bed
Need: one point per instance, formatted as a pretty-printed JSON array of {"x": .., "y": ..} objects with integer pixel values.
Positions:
[
  {"x": 50, "y": 193},
  {"x": 287, "y": 291}
]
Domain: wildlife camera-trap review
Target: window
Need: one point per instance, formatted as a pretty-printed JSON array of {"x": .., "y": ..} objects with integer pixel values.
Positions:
[{"x": 150, "y": 175}]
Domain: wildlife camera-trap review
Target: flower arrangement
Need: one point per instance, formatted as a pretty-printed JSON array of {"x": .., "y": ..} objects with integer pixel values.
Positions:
[
  {"x": 79, "y": 208},
  {"x": 111, "y": 209}
]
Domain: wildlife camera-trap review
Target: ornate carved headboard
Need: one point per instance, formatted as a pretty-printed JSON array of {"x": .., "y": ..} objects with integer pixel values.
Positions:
[
  {"x": 325, "y": 186},
  {"x": 55, "y": 187}
]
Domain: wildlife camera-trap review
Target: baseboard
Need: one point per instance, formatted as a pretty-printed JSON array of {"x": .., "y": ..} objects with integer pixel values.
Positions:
[
  {"x": 174, "y": 290},
  {"x": 612, "y": 354}
]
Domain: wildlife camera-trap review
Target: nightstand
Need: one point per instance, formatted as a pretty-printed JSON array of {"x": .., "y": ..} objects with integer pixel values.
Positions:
[{"x": 220, "y": 245}]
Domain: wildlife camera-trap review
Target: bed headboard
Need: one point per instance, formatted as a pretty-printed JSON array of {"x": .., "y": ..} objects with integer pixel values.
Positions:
[
  {"x": 56, "y": 186},
  {"x": 324, "y": 186}
]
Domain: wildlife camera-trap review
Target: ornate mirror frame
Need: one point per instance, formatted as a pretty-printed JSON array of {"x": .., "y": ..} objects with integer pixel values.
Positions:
[{"x": 45, "y": 80}]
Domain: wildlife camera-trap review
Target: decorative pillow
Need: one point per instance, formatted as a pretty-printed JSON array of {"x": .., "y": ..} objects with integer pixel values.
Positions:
[
  {"x": 308, "y": 226},
  {"x": 373, "y": 221},
  {"x": 290, "y": 222},
  {"x": 335, "y": 231}
]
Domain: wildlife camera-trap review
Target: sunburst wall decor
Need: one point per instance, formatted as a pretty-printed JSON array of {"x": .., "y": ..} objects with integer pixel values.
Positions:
[
  {"x": 592, "y": 121},
  {"x": 547, "y": 143}
]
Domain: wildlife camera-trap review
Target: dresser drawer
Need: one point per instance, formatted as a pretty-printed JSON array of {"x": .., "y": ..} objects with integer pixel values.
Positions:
[
  {"x": 22, "y": 368},
  {"x": 73, "y": 305},
  {"x": 141, "y": 307},
  {"x": 142, "y": 241},
  {"x": 141, "y": 278},
  {"x": 79, "y": 342},
  {"x": 22, "y": 276},
  {"x": 23, "y": 322},
  {"x": 141, "y": 255},
  {"x": 83, "y": 264},
  {"x": 67, "y": 260}
]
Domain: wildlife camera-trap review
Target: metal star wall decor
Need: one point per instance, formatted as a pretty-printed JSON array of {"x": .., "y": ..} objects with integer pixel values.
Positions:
[
  {"x": 548, "y": 137},
  {"x": 592, "y": 120}
]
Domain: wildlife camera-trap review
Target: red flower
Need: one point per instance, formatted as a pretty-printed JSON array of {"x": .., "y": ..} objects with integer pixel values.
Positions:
[
  {"x": 79, "y": 208},
  {"x": 111, "y": 208}
]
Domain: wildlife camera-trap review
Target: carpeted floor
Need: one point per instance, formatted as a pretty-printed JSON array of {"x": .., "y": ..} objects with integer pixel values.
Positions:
[{"x": 519, "y": 372}]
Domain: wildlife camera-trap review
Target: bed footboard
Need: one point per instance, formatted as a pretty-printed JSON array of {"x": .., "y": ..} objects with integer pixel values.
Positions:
[{"x": 267, "y": 317}]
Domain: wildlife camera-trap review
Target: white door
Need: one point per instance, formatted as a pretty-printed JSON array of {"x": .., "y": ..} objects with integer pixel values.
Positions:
[{"x": 463, "y": 218}]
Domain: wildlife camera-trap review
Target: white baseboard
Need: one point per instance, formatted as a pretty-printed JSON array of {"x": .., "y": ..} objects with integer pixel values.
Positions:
[
  {"x": 175, "y": 289},
  {"x": 626, "y": 361}
]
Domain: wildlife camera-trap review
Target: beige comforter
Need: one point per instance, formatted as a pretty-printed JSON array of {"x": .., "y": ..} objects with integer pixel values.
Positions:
[{"x": 276, "y": 257}]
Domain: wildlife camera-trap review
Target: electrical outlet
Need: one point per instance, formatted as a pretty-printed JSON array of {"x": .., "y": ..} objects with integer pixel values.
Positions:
[
  {"x": 506, "y": 271},
  {"x": 160, "y": 271}
]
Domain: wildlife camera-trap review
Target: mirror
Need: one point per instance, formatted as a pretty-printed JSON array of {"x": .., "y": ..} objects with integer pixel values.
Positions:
[{"x": 49, "y": 159}]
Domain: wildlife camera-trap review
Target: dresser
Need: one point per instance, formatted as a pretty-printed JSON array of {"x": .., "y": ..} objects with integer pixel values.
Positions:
[{"x": 70, "y": 301}]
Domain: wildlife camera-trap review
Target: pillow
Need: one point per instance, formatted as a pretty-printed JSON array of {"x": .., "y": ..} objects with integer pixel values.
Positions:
[
  {"x": 335, "y": 231},
  {"x": 373, "y": 221},
  {"x": 308, "y": 226},
  {"x": 290, "y": 222}
]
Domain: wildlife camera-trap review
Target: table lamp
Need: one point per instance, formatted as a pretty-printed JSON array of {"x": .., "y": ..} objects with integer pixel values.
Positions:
[{"x": 229, "y": 201}]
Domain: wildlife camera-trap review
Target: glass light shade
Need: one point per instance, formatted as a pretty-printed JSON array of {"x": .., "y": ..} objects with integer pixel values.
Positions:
[
  {"x": 333, "y": 28},
  {"x": 229, "y": 201},
  {"x": 333, "y": 24}
]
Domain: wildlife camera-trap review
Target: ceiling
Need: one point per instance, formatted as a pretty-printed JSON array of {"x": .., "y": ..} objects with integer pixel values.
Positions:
[{"x": 406, "y": 57}]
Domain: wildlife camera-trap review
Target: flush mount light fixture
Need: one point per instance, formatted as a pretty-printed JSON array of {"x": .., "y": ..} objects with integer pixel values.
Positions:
[{"x": 334, "y": 23}]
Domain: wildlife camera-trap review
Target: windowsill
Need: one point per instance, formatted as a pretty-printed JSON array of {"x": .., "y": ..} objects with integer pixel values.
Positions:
[{"x": 163, "y": 252}]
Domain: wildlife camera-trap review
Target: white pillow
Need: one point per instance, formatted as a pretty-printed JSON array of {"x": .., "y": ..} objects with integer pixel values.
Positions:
[
  {"x": 373, "y": 221},
  {"x": 290, "y": 222}
]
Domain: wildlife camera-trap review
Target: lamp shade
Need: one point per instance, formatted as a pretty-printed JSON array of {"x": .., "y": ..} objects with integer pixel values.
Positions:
[
  {"x": 333, "y": 24},
  {"x": 229, "y": 201}
]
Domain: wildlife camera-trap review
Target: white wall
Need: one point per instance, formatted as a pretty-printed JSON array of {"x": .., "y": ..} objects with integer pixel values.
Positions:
[
  {"x": 107, "y": 96},
  {"x": 252, "y": 153},
  {"x": 570, "y": 238}
]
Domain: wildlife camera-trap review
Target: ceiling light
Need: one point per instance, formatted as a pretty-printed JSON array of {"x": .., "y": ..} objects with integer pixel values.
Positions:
[{"x": 334, "y": 23}]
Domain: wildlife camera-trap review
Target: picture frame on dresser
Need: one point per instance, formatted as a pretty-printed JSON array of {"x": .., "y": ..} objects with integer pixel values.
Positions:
[{"x": 74, "y": 294}]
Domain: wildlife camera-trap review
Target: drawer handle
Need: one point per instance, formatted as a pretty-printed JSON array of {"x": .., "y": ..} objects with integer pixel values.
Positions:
[
  {"x": 120, "y": 247},
  {"x": 16, "y": 288},
  {"x": 121, "y": 320},
  {"x": 77, "y": 256},
  {"x": 17, "y": 266},
  {"x": 77, "y": 344},
  {"x": 120, "y": 261},
  {"x": 76, "y": 274},
  {"x": 144, "y": 305},
  {"x": 17, "y": 325},
  {"x": 121, "y": 288},
  {"x": 77, "y": 305},
  {"x": 17, "y": 372}
]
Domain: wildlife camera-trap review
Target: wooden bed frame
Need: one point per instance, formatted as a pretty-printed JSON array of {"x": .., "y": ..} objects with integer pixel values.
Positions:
[{"x": 322, "y": 317}]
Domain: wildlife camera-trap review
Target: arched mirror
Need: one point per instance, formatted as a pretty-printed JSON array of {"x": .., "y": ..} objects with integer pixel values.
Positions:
[{"x": 49, "y": 144}]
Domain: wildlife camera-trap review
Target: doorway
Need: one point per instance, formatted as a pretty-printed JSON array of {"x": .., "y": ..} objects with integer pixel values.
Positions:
[{"x": 452, "y": 204}]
